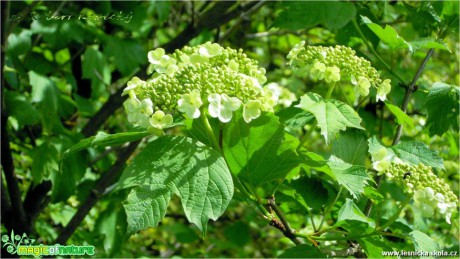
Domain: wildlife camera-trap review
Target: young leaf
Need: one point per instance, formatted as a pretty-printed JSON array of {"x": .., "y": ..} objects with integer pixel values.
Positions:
[
  {"x": 353, "y": 177},
  {"x": 416, "y": 152},
  {"x": 423, "y": 242},
  {"x": 259, "y": 151},
  {"x": 387, "y": 35},
  {"x": 428, "y": 44},
  {"x": 442, "y": 107},
  {"x": 176, "y": 165},
  {"x": 103, "y": 139},
  {"x": 353, "y": 219},
  {"x": 401, "y": 117},
  {"x": 332, "y": 115}
]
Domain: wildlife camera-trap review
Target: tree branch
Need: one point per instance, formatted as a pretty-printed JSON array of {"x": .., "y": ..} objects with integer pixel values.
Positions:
[
  {"x": 17, "y": 207},
  {"x": 96, "y": 193},
  {"x": 282, "y": 224}
]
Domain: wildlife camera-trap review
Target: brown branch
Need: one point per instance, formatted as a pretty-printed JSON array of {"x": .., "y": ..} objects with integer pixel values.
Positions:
[
  {"x": 282, "y": 224},
  {"x": 17, "y": 207},
  {"x": 96, "y": 193}
]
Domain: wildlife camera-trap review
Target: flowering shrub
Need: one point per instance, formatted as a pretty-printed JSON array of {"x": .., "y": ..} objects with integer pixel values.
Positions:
[{"x": 196, "y": 79}]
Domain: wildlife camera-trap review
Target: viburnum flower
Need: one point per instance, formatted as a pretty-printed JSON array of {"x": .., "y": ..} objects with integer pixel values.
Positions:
[
  {"x": 190, "y": 104},
  {"x": 283, "y": 95},
  {"x": 431, "y": 194},
  {"x": 383, "y": 90},
  {"x": 139, "y": 111},
  {"x": 210, "y": 49},
  {"x": 317, "y": 71},
  {"x": 251, "y": 110},
  {"x": 332, "y": 74},
  {"x": 195, "y": 79},
  {"x": 160, "y": 121},
  {"x": 338, "y": 63},
  {"x": 221, "y": 106},
  {"x": 362, "y": 87}
]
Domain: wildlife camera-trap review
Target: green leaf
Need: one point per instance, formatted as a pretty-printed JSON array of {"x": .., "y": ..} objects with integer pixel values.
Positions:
[
  {"x": 20, "y": 108},
  {"x": 387, "y": 35},
  {"x": 197, "y": 130},
  {"x": 103, "y": 139},
  {"x": 294, "y": 117},
  {"x": 373, "y": 194},
  {"x": 351, "y": 147},
  {"x": 176, "y": 165},
  {"x": 418, "y": 153},
  {"x": 332, "y": 115},
  {"x": 442, "y": 107},
  {"x": 259, "y": 151},
  {"x": 302, "y": 251},
  {"x": 46, "y": 94},
  {"x": 309, "y": 192},
  {"x": 45, "y": 162},
  {"x": 352, "y": 177},
  {"x": 96, "y": 68},
  {"x": 315, "y": 161},
  {"x": 111, "y": 225},
  {"x": 423, "y": 242},
  {"x": 428, "y": 44},
  {"x": 19, "y": 42},
  {"x": 352, "y": 218},
  {"x": 374, "y": 246},
  {"x": 304, "y": 15},
  {"x": 401, "y": 117},
  {"x": 128, "y": 54}
]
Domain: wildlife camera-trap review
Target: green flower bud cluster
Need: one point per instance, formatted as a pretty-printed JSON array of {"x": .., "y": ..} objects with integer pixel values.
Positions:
[
  {"x": 431, "y": 193},
  {"x": 221, "y": 79},
  {"x": 333, "y": 64}
]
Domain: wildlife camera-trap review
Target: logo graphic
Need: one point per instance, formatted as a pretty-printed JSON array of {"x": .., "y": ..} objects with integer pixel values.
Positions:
[
  {"x": 23, "y": 245},
  {"x": 14, "y": 241}
]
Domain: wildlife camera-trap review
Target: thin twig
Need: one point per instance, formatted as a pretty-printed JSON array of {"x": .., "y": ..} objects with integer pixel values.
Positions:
[
  {"x": 242, "y": 17},
  {"x": 283, "y": 224}
]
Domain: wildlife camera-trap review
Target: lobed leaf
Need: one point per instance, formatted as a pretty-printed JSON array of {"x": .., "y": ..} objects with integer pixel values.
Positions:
[
  {"x": 176, "y": 165},
  {"x": 417, "y": 152},
  {"x": 332, "y": 115},
  {"x": 442, "y": 107}
]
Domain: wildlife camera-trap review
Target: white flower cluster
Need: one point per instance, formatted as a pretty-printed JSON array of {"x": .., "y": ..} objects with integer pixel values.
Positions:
[
  {"x": 333, "y": 64},
  {"x": 194, "y": 79},
  {"x": 431, "y": 194}
]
